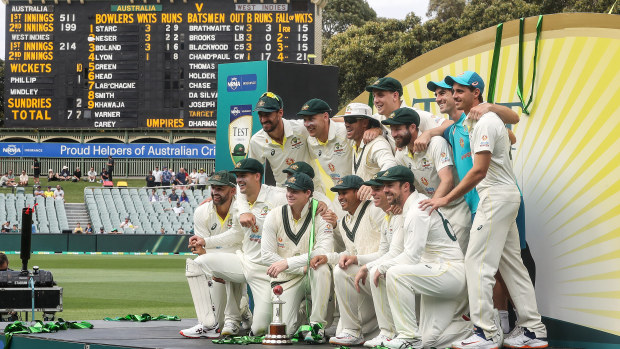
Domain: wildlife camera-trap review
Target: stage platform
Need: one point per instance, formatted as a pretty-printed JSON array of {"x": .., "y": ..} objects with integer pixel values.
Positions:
[{"x": 125, "y": 334}]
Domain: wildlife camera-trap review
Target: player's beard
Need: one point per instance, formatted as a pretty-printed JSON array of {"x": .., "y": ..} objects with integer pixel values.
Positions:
[
  {"x": 219, "y": 199},
  {"x": 403, "y": 141}
]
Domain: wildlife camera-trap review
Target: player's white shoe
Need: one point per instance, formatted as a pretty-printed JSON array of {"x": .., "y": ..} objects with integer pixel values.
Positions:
[
  {"x": 378, "y": 340},
  {"x": 523, "y": 338},
  {"x": 346, "y": 339},
  {"x": 476, "y": 341},
  {"x": 246, "y": 320},
  {"x": 404, "y": 343},
  {"x": 230, "y": 328},
  {"x": 201, "y": 331}
]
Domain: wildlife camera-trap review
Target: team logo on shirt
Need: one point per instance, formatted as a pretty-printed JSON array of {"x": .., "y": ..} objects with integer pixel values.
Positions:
[
  {"x": 484, "y": 137},
  {"x": 338, "y": 149},
  {"x": 331, "y": 167},
  {"x": 229, "y": 224},
  {"x": 461, "y": 142},
  {"x": 424, "y": 181},
  {"x": 214, "y": 226},
  {"x": 273, "y": 152},
  {"x": 290, "y": 161},
  {"x": 280, "y": 243},
  {"x": 264, "y": 211},
  {"x": 444, "y": 157},
  {"x": 296, "y": 143},
  {"x": 484, "y": 142},
  {"x": 425, "y": 163},
  {"x": 255, "y": 230}
]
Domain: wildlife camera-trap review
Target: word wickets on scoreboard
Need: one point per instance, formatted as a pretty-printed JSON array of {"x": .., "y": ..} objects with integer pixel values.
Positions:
[{"x": 109, "y": 64}]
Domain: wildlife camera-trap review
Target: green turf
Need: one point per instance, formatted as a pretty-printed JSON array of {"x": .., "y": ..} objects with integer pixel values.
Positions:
[{"x": 96, "y": 286}]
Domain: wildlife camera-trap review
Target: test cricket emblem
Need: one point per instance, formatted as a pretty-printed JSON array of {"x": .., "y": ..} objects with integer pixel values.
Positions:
[{"x": 239, "y": 131}]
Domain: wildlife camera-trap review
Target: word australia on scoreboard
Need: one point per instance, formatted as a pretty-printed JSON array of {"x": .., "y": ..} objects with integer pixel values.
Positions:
[{"x": 108, "y": 64}]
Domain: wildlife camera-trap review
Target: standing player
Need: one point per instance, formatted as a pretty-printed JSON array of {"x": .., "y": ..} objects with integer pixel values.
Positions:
[
  {"x": 245, "y": 266},
  {"x": 292, "y": 234},
  {"x": 432, "y": 168},
  {"x": 494, "y": 239},
  {"x": 110, "y": 165},
  {"x": 431, "y": 265},
  {"x": 361, "y": 231}
]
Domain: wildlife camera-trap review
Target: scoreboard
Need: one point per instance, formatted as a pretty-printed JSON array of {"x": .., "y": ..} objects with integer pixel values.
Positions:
[{"x": 106, "y": 64}]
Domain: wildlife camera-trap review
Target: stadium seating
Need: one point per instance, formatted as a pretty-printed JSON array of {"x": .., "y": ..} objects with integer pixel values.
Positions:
[
  {"x": 108, "y": 207},
  {"x": 49, "y": 216}
]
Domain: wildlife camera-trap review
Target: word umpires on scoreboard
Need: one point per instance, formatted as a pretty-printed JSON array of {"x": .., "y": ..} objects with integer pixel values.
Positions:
[{"x": 117, "y": 65}]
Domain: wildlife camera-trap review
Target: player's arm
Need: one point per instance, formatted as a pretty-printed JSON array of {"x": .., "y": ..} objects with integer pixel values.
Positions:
[
  {"x": 382, "y": 155},
  {"x": 232, "y": 236},
  {"x": 383, "y": 244},
  {"x": 424, "y": 138},
  {"x": 507, "y": 115}
]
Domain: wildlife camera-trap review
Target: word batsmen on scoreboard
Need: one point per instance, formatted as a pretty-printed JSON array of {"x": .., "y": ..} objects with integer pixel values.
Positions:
[{"x": 110, "y": 64}]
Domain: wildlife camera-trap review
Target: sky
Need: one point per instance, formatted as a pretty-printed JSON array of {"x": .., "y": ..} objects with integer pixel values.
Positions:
[{"x": 384, "y": 8}]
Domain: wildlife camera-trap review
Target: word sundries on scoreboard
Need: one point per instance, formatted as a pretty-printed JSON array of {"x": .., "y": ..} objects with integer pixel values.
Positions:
[{"x": 120, "y": 65}]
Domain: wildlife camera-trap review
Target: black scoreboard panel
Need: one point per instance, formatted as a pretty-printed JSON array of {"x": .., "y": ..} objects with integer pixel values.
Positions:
[{"x": 108, "y": 64}]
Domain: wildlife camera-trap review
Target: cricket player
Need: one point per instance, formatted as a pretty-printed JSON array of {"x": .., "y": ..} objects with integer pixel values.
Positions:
[
  {"x": 243, "y": 266},
  {"x": 387, "y": 95},
  {"x": 211, "y": 219},
  {"x": 494, "y": 239},
  {"x": 433, "y": 168},
  {"x": 292, "y": 234},
  {"x": 430, "y": 265},
  {"x": 368, "y": 158},
  {"x": 361, "y": 229}
]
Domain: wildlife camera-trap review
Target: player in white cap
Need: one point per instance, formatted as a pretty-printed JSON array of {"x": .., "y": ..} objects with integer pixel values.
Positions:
[
  {"x": 494, "y": 239},
  {"x": 292, "y": 234},
  {"x": 433, "y": 168},
  {"x": 430, "y": 265}
]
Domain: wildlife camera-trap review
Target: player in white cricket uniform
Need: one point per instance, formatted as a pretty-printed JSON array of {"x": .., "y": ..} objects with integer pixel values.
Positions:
[
  {"x": 245, "y": 266},
  {"x": 494, "y": 239},
  {"x": 430, "y": 265},
  {"x": 387, "y": 95},
  {"x": 292, "y": 234},
  {"x": 368, "y": 158},
  {"x": 433, "y": 168},
  {"x": 360, "y": 229}
]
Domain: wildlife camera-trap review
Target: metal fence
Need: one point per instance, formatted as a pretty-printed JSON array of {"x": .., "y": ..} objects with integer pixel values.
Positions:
[{"x": 122, "y": 167}]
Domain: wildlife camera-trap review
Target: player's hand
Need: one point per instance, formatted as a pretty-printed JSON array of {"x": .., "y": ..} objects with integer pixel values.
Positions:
[
  {"x": 221, "y": 281},
  {"x": 433, "y": 204},
  {"x": 346, "y": 260},
  {"x": 317, "y": 261},
  {"x": 395, "y": 209},
  {"x": 330, "y": 217},
  {"x": 361, "y": 276},
  {"x": 247, "y": 220},
  {"x": 476, "y": 112},
  {"x": 277, "y": 267},
  {"x": 196, "y": 240},
  {"x": 371, "y": 134},
  {"x": 364, "y": 192},
  {"x": 421, "y": 143},
  {"x": 375, "y": 278},
  {"x": 321, "y": 208}
]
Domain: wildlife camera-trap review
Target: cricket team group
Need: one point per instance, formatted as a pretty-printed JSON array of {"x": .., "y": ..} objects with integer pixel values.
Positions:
[{"x": 398, "y": 227}]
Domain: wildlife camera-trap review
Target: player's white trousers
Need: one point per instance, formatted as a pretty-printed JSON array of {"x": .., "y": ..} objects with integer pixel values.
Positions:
[
  {"x": 459, "y": 217},
  {"x": 318, "y": 285},
  {"x": 235, "y": 268},
  {"x": 356, "y": 309},
  {"x": 381, "y": 304},
  {"x": 493, "y": 244},
  {"x": 443, "y": 294}
]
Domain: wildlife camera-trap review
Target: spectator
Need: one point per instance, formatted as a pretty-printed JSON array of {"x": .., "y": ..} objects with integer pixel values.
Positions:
[
  {"x": 6, "y": 227},
  {"x": 23, "y": 179},
  {"x": 181, "y": 178},
  {"x": 11, "y": 178},
  {"x": 173, "y": 196},
  {"x": 78, "y": 229},
  {"x": 115, "y": 231},
  {"x": 154, "y": 197},
  {"x": 166, "y": 177},
  {"x": 184, "y": 198},
  {"x": 36, "y": 168},
  {"x": 157, "y": 174},
  {"x": 202, "y": 179},
  {"x": 150, "y": 180},
  {"x": 105, "y": 176},
  {"x": 4, "y": 180},
  {"x": 49, "y": 193},
  {"x": 173, "y": 174},
  {"x": 39, "y": 192},
  {"x": 110, "y": 166},
  {"x": 14, "y": 230},
  {"x": 181, "y": 231},
  {"x": 178, "y": 209},
  {"x": 127, "y": 224},
  {"x": 162, "y": 230},
  {"x": 163, "y": 197},
  {"x": 33, "y": 228},
  {"x": 89, "y": 229},
  {"x": 59, "y": 194},
  {"x": 193, "y": 177},
  {"x": 51, "y": 176},
  {"x": 92, "y": 175},
  {"x": 101, "y": 230},
  {"x": 77, "y": 175},
  {"x": 64, "y": 174}
]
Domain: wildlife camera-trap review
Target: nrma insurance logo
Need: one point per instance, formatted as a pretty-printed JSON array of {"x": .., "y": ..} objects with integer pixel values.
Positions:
[
  {"x": 240, "y": 110},
  {"x": 238, "y": 83},
  {"x": 11, "y": 150}
]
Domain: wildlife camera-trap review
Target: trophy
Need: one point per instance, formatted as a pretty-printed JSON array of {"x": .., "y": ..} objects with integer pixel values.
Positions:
[{"x": 277, "y": 329}]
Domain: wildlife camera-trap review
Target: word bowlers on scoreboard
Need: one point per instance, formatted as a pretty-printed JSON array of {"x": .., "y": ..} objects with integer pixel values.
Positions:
[{"x": 108, "y": 64}]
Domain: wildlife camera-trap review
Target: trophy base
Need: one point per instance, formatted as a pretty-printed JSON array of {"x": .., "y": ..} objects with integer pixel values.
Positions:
[{"x": 277, "y": 335}]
